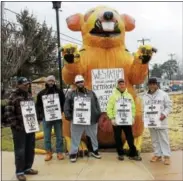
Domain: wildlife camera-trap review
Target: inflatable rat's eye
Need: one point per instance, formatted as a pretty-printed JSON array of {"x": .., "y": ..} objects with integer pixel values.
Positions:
[{"x": 88, "y": 14}]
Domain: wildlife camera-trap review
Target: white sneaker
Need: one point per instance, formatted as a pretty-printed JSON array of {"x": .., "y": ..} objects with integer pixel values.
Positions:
[{"x": 73, "y": 157}]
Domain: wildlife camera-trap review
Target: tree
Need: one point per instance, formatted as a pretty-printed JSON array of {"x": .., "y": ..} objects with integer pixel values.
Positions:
[
  {"x": 28, "y": 49},
  {"x": 13, "y": 51},
  {"x": 156, "y": 71},
  {"x": 43, "y": 45},
  {"x": 169, "y": 68}
]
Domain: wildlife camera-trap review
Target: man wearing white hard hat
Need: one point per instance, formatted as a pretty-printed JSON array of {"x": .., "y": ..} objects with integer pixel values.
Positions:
[
  {"x": 82, "y": 109},
  {"x": 50, "y": 103}
]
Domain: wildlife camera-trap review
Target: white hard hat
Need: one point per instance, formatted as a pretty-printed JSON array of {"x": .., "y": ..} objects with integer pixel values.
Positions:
[{"x": 79, "y": 78}]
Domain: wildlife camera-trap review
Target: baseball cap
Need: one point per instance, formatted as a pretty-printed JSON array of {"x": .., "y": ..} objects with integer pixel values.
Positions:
[
  {"x": 79, "y": 78},
  {"x": 152, "y": 80},
  {"x": 120, "y": 80},
  {"x": 22, "y": 80},
  {"x": 50, "y": 77}
]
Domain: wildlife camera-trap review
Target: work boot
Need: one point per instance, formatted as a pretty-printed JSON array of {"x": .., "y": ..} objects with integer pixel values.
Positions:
[
  {"x": 31, "y": 172},
  {"x": 155, "y": 159},
  {"x": 21, "y": 177},
  {"x": 136, "y": 158},
  {"x": 60, "y": 156},
  {"x": 120, "y": 157},
  {"x": 48, "y": 156},
  {"x": 167, "y": 160}
]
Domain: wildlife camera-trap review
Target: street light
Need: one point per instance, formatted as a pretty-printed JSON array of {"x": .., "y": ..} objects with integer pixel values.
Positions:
[{"x": 57, "y": 6}]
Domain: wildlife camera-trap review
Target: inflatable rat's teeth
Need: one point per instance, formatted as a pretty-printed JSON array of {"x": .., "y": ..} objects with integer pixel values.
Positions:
[{"x": 108, "y": 26}]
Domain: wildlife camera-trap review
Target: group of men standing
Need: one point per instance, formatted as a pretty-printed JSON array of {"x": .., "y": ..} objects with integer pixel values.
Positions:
[{"x": 82, "y": 108}]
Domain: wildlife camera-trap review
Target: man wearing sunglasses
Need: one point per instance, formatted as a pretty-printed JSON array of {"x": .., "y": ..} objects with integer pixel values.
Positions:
[
  {"x": 77, "y": 128},
  {"x": 24, "y": 143}
]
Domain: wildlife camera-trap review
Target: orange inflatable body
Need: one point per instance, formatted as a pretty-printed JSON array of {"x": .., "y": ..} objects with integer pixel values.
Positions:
[{"x": 103, "y": 32}]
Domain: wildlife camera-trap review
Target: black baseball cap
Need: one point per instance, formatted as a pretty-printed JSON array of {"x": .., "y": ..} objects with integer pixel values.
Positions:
[
  {"x": 153, "y": 80},
  {"x": 22, "y": 80}
]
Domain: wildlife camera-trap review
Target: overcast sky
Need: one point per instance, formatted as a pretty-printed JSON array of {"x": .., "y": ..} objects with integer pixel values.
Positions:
[{"x": 159, "y": 21}]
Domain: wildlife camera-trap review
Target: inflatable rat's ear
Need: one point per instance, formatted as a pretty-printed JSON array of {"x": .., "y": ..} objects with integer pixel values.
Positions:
[
  {"x": 129, "y": 22},
  {"x": 74, "y": 22}
]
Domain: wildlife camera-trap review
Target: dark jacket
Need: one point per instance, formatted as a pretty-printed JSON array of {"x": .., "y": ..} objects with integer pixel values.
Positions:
[
  {"x": 13, "y": 114},
  {"x": 69, "y": 105},
  {"x": 46, "y": 91}
]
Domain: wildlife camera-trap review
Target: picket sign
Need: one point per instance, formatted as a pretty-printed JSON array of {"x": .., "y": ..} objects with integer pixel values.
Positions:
[
  {"x": 29, "y": 116},
  {"x": 124, "y": 112},
  {"x": 82, "y": 111},
  {"x": 152, "y": 116},
  {"x": 52, "y": 109}
]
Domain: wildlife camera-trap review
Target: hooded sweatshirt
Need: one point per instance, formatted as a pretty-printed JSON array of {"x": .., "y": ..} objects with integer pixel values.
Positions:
[
  {"x": 46, "y": 91},
  {"x": 69, "y": 104},
  {"x": 162, "y": 98},
  {"x": 116, "y": 95}
]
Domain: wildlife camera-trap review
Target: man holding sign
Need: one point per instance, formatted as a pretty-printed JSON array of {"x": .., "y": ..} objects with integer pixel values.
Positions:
[
  {"x": 21, "y": 114},
  {"x": 82, "y": 108},
  {"x": 121, "y": 112},
  {"x": 157, "y": 106},
  {"x": 50, "y": 102}
]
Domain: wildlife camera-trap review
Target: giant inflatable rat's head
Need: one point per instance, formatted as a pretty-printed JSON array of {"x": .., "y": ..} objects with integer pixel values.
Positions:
[{"x": 102, "y": 27}]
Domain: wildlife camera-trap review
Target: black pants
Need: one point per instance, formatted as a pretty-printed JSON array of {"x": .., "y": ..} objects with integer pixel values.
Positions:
[
  {"x": 24, "y": 145},
  {"x": 89, "y": 144},
  {"x": 129, "y": 137}
]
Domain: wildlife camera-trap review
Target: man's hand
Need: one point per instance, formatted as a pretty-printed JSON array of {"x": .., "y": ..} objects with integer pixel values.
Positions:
[
  {"x": 113, "y": 121},
  {"x": 162, "y": 117}
]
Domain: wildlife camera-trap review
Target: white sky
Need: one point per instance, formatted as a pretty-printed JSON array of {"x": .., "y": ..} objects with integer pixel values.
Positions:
[{"x": 159, "y": 21}]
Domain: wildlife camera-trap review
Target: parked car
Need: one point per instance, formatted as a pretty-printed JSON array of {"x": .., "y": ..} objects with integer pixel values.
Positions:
[
  {"x": 167, "y": 89},
  {"x": 175, "y": 88}
]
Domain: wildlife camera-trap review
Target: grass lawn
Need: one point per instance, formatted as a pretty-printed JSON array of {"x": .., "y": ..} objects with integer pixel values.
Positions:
[{"x": 7, "y": 140}]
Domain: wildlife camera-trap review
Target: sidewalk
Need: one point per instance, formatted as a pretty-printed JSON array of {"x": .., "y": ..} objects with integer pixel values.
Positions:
[{"x": 108, "y": 168}]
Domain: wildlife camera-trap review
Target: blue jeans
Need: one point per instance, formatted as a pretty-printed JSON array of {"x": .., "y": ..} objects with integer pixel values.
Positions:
[{"x": 47, "y": 127}]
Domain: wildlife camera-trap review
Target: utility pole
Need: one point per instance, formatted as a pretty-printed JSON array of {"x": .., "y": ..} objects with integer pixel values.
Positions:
[
  {"x": 143, "y": 40},
  {"x": 171, "y": 55}
]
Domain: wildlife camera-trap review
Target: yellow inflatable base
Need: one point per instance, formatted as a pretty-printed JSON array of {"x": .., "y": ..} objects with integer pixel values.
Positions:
[{"x": 82, "y": 147}]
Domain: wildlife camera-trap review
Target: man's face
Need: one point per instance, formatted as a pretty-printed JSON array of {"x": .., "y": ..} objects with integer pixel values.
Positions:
[
  {"x": 153, "y": 87},
  {"x": 50, "y": 83},
  {"x": 80, "y": 84},
  {"x": 24, "y": 86},
  {"x": 122, "y": 86}
]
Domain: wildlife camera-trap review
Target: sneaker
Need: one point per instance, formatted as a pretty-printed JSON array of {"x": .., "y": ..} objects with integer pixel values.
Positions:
[
  {"x": 96, "y": 154},
  {"x": 136, "y": 158},
  {"x": 60, "y": 156},
  {"x": 120, "y": 157},
  {"x": 167, "y": 160},
  {"x": 48, "y": 156},
  {"x": 31, "y": 172},
  {"x": 155, "y": 159},
  {"x": 73, "y": 157},
  {"x": 21, "y": 177}
]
